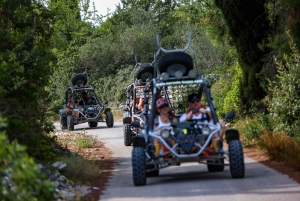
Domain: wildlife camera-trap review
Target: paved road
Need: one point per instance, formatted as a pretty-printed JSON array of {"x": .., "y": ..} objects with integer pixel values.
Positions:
[{"x": 191, "y": 181}]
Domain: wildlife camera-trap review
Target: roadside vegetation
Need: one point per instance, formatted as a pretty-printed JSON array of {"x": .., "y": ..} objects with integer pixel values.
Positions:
[{"x": 253, "y": 45}]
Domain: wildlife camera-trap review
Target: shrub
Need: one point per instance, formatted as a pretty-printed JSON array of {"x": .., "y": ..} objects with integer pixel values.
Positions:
[
  {"x": 251, "y": 128},
  {"x": 20, "y": 177},
  {"x": 284, "y": 98},
  {"x": 281, "y": 147}
]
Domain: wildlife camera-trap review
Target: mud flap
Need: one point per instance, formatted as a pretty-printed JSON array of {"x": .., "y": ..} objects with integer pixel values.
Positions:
[
  {"x": 139, "y": 141},
  {"x": 232, "y": 134}
]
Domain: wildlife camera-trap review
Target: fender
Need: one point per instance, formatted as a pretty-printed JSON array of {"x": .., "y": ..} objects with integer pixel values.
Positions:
[
  {"x": 126, "y": 120},
  {"x": 139, "y": 141},
  {"x": 106, "y": 109},
  {"x": 63, "y": 112},
  {"x": 232, "y": 134}
]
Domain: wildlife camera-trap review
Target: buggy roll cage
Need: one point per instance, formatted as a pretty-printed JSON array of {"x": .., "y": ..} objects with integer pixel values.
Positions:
[{"x": 155, "y": 83}]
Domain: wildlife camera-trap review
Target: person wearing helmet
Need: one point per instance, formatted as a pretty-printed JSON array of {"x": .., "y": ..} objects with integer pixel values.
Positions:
[{"x": 163, "y": 120}]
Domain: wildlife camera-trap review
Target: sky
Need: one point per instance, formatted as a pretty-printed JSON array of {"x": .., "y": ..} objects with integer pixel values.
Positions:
[{"x": 102, "y": 5}]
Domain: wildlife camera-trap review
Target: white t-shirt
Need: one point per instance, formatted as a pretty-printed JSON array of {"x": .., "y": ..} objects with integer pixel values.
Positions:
[
  {"x": 161, "y": 124},
  {"x": 199, "y": 116}
]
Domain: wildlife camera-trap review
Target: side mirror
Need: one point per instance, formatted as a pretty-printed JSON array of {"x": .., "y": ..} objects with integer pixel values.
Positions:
[
  {"x": 136, "y": 124},
  {"x": 125, "y": 109},
  {"x": 229, "y": 115},
  {"x": 180, "y": 105}
]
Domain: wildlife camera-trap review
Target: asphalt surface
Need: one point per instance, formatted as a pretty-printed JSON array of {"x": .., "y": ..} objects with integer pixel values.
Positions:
[{"x": 190, "y": 181}]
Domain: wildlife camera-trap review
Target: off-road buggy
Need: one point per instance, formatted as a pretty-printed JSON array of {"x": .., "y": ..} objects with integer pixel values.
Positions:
[
  {"x": 143, "y": 74},
  {"x": 193, "y": 139},
  {"x": 77, "y": 110}
]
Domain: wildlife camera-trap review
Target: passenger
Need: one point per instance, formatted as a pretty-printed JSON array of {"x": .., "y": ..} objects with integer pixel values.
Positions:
[
  {"x": 70, "y": 106},
  {"x": 141, "y": 103},
  {"x": 163, "y": 120}
]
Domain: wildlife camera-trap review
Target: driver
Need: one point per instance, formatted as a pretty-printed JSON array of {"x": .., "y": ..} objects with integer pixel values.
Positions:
[
  {"x": 86, "y": 100},
  {"x": 197, "y": 111}
]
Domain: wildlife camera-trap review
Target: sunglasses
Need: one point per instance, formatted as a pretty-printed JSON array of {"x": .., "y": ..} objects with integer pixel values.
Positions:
[{"x": 193, "y": 101}]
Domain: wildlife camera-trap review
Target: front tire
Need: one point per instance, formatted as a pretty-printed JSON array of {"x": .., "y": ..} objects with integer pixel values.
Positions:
[
  {"x": 63, "y": 122},
  {"x": 236, "y": 159},
  {"x": 127, "y": 135},
  {"x": 109, "y": 119},
  {"x": 70, "y": 123},
  {"x": 138, "y": 166}
]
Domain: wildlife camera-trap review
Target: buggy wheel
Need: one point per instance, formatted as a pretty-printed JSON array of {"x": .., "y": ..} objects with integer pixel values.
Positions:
[
  {"x": 127, "y": 135},
  {"x": 217, "y": 167},
  {"x": 236, "y": 159},
  {"x": 109, "y": 119},
  {"x": 175, "y": 61},
  {"x": 154, "y": 173},
  {"x": 63, "y": 122},
  {"x": 93, "y": 124},
  {"x": 79, "y": 79},
  {"x": 144, "y": 73},
  {"x": 138, "y": 166},
  {"x": 70, "y": 123}
]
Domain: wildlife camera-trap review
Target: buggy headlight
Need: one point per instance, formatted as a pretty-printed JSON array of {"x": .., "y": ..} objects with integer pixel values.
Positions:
[
  {"x": 205, "y": 130},
  {"x": 165, "y": 133}
]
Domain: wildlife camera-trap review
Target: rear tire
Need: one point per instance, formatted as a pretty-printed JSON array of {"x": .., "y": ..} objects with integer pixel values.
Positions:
[
  {"x": 109, "y": 119},
  {"x": 127, "y": 135},
  {"x": 93, "y": 124},
  {"x": 70, "y": 123},
  {"x": 236, "y": 159},
  {"x": 138, "y": 166}
]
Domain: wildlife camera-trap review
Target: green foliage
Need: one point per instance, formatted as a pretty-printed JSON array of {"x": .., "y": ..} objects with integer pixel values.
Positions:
[
  {"x": 26, "y": 181},
  {"x": 232, "y": 101},
  {"x": 249, "y": 26},
  {"x": 114, "y": 87},
  {"x": 284, "y": 98},
  {"x": 253, "y": 127},
  {"x": 24, "y": 71}
]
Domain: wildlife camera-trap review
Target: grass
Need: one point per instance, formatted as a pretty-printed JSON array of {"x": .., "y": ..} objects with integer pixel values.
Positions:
[{"x": 79, "y": 168}]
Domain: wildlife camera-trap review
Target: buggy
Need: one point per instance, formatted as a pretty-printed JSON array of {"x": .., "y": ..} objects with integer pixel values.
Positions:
[
  {"x": 193, "y": 139},
  {"x": 77, "y": 110},
  {"x": 143, "y": 74}
]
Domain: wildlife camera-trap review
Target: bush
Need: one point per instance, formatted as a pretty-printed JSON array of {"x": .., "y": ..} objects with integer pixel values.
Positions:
[
  {"x": 281, "y": 147},
  {"x": 251, "y": 128},
  {"x": 284, "y": 97},
  {"x": 20, "y": 177},
  {"x": 225, "y": 91}
]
